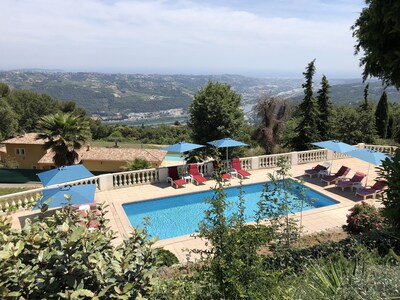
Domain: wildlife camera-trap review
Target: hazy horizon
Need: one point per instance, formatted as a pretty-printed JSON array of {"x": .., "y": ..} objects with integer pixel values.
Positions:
[{"x": 255, "y": 38}]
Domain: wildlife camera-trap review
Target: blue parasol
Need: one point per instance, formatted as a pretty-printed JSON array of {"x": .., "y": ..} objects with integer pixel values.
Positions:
[
  {"x": 370, "y": 156},
  {"x": 226, "y": 143},
  {"x": 64, "y": 174},
  {"x": 335, "y": 146},
  {"x": 182, "y": 147},
  {"x": 79, "y": 194}
]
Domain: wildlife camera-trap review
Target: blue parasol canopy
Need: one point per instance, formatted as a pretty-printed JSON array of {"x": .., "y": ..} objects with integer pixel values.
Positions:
[
  {"x": 370, "y": 156},
  {"x": 335, "y": 146},
  {"x": 64, "y": 174},
  {"x": 227, "y": 142},
  {"x": 182, "y": 147},
  {"x": 80, "y": 194}
]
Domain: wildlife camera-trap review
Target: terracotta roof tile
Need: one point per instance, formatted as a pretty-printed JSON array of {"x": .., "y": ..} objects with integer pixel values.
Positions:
[
  {"x": 124, "y": 154},
  {"x": 26, "y": 139},
  {"x": 113, "y": 154}
]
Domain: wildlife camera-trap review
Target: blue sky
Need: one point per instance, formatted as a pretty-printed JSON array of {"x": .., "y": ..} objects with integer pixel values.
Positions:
[{"x": 253, "y": 37}]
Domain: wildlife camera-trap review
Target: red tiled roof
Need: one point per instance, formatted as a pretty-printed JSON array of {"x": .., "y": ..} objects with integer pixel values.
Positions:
[
  {"x": 26, "y": 139},
  {"x": 113, "y": 154}
]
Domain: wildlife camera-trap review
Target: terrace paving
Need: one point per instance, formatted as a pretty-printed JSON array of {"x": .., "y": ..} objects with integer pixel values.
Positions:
[{"x": 315, "y": 220}]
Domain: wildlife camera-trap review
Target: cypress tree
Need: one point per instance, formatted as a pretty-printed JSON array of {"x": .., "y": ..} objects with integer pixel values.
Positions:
[
  {"x": 325, "y": 110},
  {"x": 308, "y": 127},
  {"x": 382, "y": 116},
  {"x": 366, "y": 119}
]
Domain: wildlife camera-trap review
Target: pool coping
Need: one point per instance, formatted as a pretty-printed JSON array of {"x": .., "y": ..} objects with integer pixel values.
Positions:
[{"x": 314, "y": 220}]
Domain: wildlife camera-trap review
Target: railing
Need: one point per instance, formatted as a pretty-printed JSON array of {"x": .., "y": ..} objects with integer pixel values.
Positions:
[
  {"x": 134, "y": 178},
  {"x": 20, "y": 200},
  {"x": 386, "y": 149},
  {"x": 312, "y": 156},
  {"x": 270, "y": 161}
]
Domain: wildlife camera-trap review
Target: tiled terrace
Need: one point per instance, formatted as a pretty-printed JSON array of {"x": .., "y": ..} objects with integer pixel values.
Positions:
[{"x": 313, "y": 221}]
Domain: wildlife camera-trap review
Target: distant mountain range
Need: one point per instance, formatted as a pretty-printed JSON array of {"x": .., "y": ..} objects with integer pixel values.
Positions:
[{"x": 107, "y": 94}]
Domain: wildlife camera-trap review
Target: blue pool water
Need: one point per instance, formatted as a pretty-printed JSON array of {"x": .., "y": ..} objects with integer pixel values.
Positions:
[
  {"x": 180, "y": 215},
  {"x": 174, "y": 157}
]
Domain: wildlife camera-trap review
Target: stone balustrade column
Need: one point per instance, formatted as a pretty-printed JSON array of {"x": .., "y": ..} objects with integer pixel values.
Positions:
[
  {"x": 162, "y": 174},
  {"x": 106, "y": 182}
]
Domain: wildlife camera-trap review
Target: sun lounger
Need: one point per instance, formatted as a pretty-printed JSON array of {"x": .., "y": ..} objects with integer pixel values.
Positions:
[
  {"x": 329, "y": 179},
  {"x": 237, "y": 169},
  {"x": 196, "y": 176},
  {"x": 220, "y": 172},
  {"x": 174, "y": 179},
  {"x": 377, "y": 189},
  {"x": 350, "y": 182},
  {"x": 317, "y": 170}
]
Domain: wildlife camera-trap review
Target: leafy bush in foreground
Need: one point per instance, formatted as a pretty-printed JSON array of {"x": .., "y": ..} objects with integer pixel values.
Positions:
[
  {"x": 60, "y": 257},
  {"x": 363, "y": 218}
]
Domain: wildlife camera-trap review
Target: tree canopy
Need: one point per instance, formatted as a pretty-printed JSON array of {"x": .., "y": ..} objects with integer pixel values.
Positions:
[
  {"x": 65, "y": 133},
  {"x": 307, "y": 128},
  {"x": 382, "y": 116},
  {"x": 325, "y": 110},
  {"x": 377, "y": 31},
  {"x": 215, "y": 113}
]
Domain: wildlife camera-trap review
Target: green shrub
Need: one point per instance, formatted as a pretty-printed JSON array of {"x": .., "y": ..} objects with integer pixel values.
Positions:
[
  {"x": 363, "y": 218},
  {"x": 165, "y": 257},
  {"x": 342, "y": 278},
  {"x": 56, "y": 257},
  {"x": 137, "y": 164}
]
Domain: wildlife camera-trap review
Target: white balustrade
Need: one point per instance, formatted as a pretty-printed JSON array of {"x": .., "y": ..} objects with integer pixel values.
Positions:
[
  {"x": 20, "y": 200},
  {"x": 132, "y": 178},
  {"x": 304, "y": 157},
  {"x": 270, "y": 161},
  {"x": 385, "y": 149},
  {"x": 103, "y": 182}
]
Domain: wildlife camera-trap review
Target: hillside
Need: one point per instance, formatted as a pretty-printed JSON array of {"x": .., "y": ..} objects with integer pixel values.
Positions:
[{"x": 108, "y": 94}]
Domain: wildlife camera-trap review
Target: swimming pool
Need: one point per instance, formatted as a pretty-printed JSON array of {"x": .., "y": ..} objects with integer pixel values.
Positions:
[
  {"x": 174, "y": 157},
  {"x": 180, "y": 215}
]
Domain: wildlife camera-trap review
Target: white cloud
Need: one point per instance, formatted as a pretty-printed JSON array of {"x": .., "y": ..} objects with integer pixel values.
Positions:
[{"x": 137, "y": 35}]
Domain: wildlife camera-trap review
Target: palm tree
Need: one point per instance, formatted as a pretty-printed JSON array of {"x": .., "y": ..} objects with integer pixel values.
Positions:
[{"x": 65, "y": 133}]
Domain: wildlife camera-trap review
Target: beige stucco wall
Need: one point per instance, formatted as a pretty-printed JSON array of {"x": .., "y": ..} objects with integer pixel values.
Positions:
[
  {"x": 112, "y": 166},
  {"x": 33, "y": 153}
]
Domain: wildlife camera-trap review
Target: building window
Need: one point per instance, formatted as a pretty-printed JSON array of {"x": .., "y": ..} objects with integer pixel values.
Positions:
[{"x": 20, "y": 151}]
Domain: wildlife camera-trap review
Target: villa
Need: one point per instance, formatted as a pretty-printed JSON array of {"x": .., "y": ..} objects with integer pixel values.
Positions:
[{"x": 29, "y": 153}]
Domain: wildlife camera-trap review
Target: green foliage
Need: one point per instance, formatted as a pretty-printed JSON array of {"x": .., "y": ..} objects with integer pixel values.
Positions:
[
  {"x": 231, "y": 266},
  {"x": 377, "y": 31},
  {"x": 65, "y": 133},
  {"x": 4, "y": 90},
  {"x": 8, "y": 120},
  {"x": 59, "y": 257},
  {"x": 325, "y": 110},
  {"x": 390, "y": 171},
  {"x": 340, "y": 278},
  {"x": 215, "y": 113},
  {"x": 30, "y": 106},
  {"x": 382, "y": 116},
  {"x": 165, "y": 257},
  {"x": 363, "y": 217},
  {"x": 137, "y": 164},
  {"x": 307, "y": 129}
]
